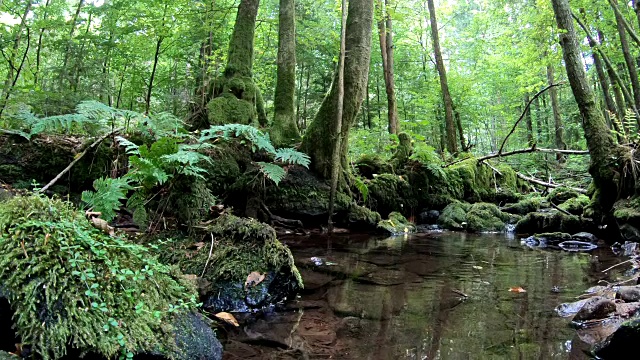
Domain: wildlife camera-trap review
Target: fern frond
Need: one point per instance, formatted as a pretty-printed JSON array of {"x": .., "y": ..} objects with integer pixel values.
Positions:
[
  {"x": 108, "y": 195},
  {"x": 362, "y": 187},
  {"x": 293, "y": 157},
  {"x": 255, "y": 138},
  {"x": 272, "y": 171}
]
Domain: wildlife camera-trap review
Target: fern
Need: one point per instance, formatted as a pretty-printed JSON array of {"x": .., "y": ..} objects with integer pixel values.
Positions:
[
  {"x": 246, "y": 133},
  {"x": 362, "y": 188},
  {"x": 272, "y": 171},
  {"x": 292, "y": 156},
  {"x": 108, "y": 195},
  {"x": 129, "y": 147}
]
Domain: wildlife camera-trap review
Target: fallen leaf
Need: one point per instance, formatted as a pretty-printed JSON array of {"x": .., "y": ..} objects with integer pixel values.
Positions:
[
  {"x": 254, "y": 279},
  {"x": 517, "y": 290},
  {"x": 228, "y": 318}
]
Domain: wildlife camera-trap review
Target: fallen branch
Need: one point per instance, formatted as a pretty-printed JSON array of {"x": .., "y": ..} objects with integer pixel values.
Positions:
[
  {"x": 95, "y": 143},
  {"x": 559, "y": 209},
  {"x": 492, "y": 168},
  {"x": 548, "y": 185},
  {"x": 526, "y": 109},
  {"x": 524, "y": 151}
]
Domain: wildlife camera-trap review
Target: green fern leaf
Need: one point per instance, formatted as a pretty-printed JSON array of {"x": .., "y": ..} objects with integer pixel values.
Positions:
[
  {"x": 272, "y": 171},
  {"x": 362, "y": 187},
  {"x": 107, "y": 197},
  {"x": 292, "y": 156},
  {"x": 129, "y": 147}
]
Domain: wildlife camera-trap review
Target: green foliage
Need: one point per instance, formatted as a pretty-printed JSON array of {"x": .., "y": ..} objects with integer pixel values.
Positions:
[
  {"x": 108, "y": 195},
  {"x": 362, "y": 188},
  {"x": 71, "y": 284},
  {"x": 291, "y": 156},
  {"x": 272, "y": 171}
]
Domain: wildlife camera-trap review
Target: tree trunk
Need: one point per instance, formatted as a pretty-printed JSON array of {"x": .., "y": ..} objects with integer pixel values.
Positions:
[
  {"x": 636, "y": 7},
  {"x": 628, "y": 59},
  {"x": 13, "y": 56},
  {"x": 320, "y": 138},
  {"x": 67, "y": 50},
  {"x": 529, "y": 121},
  {"x": 285, "y": 130},
  {"x": 36, "y": 74},
  {"x": 241, "y": 44},
  {"x": 602, "y": 149},
  {"x": 557, "y": 117},
  {"x": 385, "y": 29},
  {"x": 444, "y": 86},
  {"x": 156, "y": 58}
]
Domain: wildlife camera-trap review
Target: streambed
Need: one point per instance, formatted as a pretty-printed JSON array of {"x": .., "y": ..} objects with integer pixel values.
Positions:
[{"x": 425, "y": 296}]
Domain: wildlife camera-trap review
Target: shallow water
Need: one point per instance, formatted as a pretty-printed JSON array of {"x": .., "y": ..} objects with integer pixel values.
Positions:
[{"x": 403, "y": 298}]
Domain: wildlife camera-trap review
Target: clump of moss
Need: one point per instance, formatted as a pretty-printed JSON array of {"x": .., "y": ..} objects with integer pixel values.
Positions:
[
  {"x": 397, "y": 224},
  {"x": 360, "y": 217},
  {"x": 561, "y": 194},
  {"x": 71, "y": 284},
  {"x": 553, "y": 221},
  {"x": 403, "y": 151},
  {"x": 627, "y": 211},
  {"x": 528, "y": 205},
  {"x": 575, "y": 205},
  {"x": 485, "y": 217},
  {"x": 370, "y": 164},
  {"x": 390, "y": 193},
  {"x": 470, "y": 182},
  {"x": 454, "y": 216}
]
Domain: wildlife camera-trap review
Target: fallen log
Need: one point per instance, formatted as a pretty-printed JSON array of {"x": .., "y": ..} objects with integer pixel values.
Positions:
[
  {"x": 532, "y": 149},
  {"x": 548, "y": 185}
]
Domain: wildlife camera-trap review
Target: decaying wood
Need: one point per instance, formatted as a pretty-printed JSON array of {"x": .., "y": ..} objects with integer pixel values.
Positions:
[
  {"x": 548, "y": 185},
  {"x": 77, "y": 158}
]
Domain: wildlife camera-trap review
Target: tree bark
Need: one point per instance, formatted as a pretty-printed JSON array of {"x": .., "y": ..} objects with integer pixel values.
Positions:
[
  {"x": 240, "y": 60},
  {"x": 385, "y": 32},
  {"x": 604, "y": 153},
  {"x": 530, "y": 139},
  {"x": 636, "y": 8},
  {"x": 320, "y": 138},
  {"x": 444, "y": 85},
  {"x": 628, "y": 58},
  {"x": 557, "y": 117},
  {"x": 284, "y": 130},
  {"x": 36, "y": 74}
]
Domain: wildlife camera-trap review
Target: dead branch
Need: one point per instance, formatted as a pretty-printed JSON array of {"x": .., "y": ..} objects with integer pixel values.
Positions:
[
  {"x": 77, "y": 158},
  {"x": 548, "y": 185},
  {"x": 524, "y": 151},
  {"x": 526, "y": 109}
]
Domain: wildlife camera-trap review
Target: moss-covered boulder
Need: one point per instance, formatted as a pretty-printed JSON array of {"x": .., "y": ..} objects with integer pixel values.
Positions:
[
  {"x": 361, "y": 218},
  {"x": 562, "y": 194},
  {"x": 470, "y": 181},
  {"x": 622, "y": 343},
  {"x": 71, "y": 285},
  {"x": 389, "y": 193},
  {"x": 240, "y": 247},
  {"x": 369, "y": 165},
  {"x": 396, "y": 225},
  {"x": 403, "y": 151},
  {"x": 576, "y": 205},
  {"x": 551, "y": 221},
  {"x": 454, "y": 216},
  {"x": 237, "y": 100},
  {"x": 485, "y": 217},
  {"x": 527, "y": 205}
]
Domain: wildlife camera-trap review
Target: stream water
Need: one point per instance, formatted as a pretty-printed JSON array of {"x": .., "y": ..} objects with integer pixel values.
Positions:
[{"x": 404, "y": 298}]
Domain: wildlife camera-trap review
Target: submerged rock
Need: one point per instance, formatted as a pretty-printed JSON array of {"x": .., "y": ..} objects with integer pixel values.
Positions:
[
  {"x": 628, "y": 293},
  {"x": 195, "y": 339},
  {"x": 597, "y": 307}
]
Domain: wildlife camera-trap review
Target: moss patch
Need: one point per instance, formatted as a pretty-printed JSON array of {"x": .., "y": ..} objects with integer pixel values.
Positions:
[
  {"x": 484, "y": 217},
  {"x": 454, "y": 216},
  {"x": 576, "y": 205},
  {"x": 396, "y": 225},
  {"x": 70, "y": 284},
  {"x": 360, "y": 217},
  {"x": 371, "y": 164},
  {"x": 553, "y": 221},
  {"x": 561, "y": 195},
  {"x": 389, "y": 193},
  {"x": 525, "y": 206}
]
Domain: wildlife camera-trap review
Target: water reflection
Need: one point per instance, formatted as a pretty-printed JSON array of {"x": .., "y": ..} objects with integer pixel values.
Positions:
[{"x": 403, "y": 298}]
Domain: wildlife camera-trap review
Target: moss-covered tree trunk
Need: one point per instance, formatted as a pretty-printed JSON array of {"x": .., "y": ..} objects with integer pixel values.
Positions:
[
  {"x": 237, "y": 99},
  {"x": 284, "y": 130},
  {"x": 444, "y": 85},
  {"x": 628, "y": 58},
  {"x": 557, "y": 117},
  {"x": 320, "y": 138},
  {"x": 385, "y": 32},
  {"x": 604, "y": 153}
]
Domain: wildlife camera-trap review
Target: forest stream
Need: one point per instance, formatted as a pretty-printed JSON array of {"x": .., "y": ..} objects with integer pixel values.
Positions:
[{"x": 425, "y": 296}]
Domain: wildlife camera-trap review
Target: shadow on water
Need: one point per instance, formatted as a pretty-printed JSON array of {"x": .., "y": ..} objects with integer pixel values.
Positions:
[{"x": 403, "y": 298}]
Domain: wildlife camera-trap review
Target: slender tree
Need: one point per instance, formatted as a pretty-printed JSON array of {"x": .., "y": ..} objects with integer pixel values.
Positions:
[
  {"x": 557, "y": 117},
  {"x": 628, "y": 58},
  {"x": 444, "y": 85},
  {"x": 284, "y": 130},
  {"x": 385, "y": 32},
  {"x": 13, "y": 56},
  {"x": 530, "y": 139}
]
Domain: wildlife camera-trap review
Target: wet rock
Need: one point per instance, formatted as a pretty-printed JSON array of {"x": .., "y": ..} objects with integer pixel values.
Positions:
[
  {"x": 595, "y": 308},
  {"x": 585, "y": 236},
  {"x": 353, "y": 326},
  {"x": 546, "y": 240},
  {"x": 622, "y": 343},
  {"x": 454, "y": 216},
  {"x": 628, "y": 293},
  {"x": 630, "y": 233},
  {"x": 552, "y": 221},
  {"x": 626, "y": 249},
  {"x": 525, "y": 206},
  {"x": 396, "y": 225},
  {"x": 569, "y": 309},
  {"x": 428, "y": 217},
  {"x": 485, "y": 217},
  {"x": 340, "y": 266},
  {"x": 575, "y": 246},
  {"x": 362, "y": 219},
  {"x": 195, "y": 339},
  {"x": 575, "y": 206}
]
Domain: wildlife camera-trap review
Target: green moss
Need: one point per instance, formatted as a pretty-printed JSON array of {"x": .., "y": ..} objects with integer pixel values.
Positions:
[
  {"x": 403, "y": 150},
  {"x": 397, "y": 224},
  {"x": 372, "y": 164},
  {"x": 454, "y": 216},
  {"x": 575, "y": 205},
  {"x": 72, "y": 285},
  {"x": 241, "y": 246},
  {"x": 390, "y": 193},
  {"x": 561, "y": 194},
  {"x": 525, "y": 206},
  {"x": 627, "y": 211},
  {"x": 228, "y": 109},
  {"x": 470, "y": 182},
  {"x": 6, "y": 356},
  {"x": 361, "y": 217},
  {"x": 553, "y": 221},
  {"x": 484, "y": 217}
]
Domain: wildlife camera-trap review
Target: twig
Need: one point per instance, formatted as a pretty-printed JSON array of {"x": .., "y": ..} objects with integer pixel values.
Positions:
[
  {"x": 615, "y": 266},
  {"x": 526, "y": 109},
  {"x": 532, "y": 149},
  {"x": 209, "y": 258},
  {"x": 95, "y": 143},
  {"x": 492, "y": 168},
  {"x": 559, "y": 209},
  {"x": 548, "y": 185},
  {"x": 460, "y": 293}
]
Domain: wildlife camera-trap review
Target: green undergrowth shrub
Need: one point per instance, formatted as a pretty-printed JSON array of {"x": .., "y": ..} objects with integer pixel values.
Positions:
[{"x": 70, "y": 284}]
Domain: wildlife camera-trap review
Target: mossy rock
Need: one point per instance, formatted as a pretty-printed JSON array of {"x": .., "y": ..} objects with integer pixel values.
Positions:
[
  {"x": 527, "y": 205},
  {"x": 485, "y": 217},
  {"x": 454, "y": 216},
  {"x": 576, "y": 205},
  {"x": 240, "y": 247},
  {"x": 389, "y": 193},
  {"x": 397, "y": 224},
  {"x": 552, "y": 221},
  {"x": 372, "y": 164},
  {"x": 561, "y": 194},
  {"x": 627, "y": 212},
  {"x": 228, "y": 109},
  {"x": 621, "y": 343},
  {"x": 470, "y": 182},
  {"x": 71, "y": 285},
  {"x": 362, "y": 218},
  {"x": 403, "y": 151}
]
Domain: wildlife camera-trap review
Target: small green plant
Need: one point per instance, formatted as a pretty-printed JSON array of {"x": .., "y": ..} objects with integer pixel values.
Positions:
[{"x": 71, "y": 284}]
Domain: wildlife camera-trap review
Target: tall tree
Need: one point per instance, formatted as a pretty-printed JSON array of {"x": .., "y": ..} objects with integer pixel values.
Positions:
[
  {"x": 450, "y": 126},
  {"x": 284, "y": 130},
  {"x": 557, "y": 117},
  {"x": 321, "y": 136},
  {"x": 604, "y": 153},
  {"x": 385, "y": 32},
  {"x": 628, "y": 58}
]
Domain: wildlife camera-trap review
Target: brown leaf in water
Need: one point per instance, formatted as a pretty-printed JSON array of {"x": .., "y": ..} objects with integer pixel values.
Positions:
[
  {"x": 254, "y": 279},
  {"x": 517, "y": 290},
  {"x": 228, "y": 318}
]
